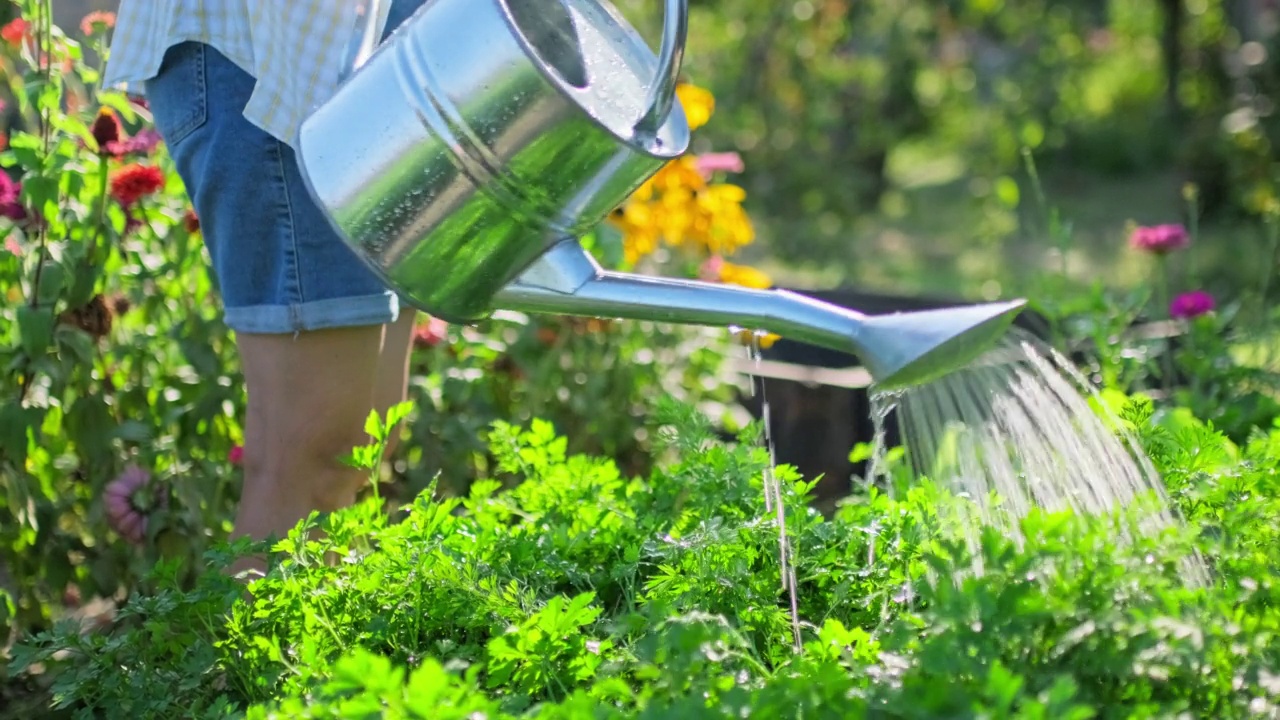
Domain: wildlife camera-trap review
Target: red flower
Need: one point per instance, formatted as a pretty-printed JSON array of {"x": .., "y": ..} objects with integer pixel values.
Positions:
[
  {"x": 135, "y": 181},
  {"x": 1160, "y": 239},
  {"x": 236, "y": 455},
  {"x": 191, "y": 221},
  {"x": 98, "y": 20},
  {"x": 15, "y": 31},
  {"x": 1191, "y": 304}
]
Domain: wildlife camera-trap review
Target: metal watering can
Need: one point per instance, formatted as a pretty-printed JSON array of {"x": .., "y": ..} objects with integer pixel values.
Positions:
[{"x": 464, "y": 157}]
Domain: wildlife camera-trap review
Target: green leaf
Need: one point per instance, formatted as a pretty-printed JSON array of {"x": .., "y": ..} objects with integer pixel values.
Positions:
[
  {"x": 16, "y": 426},
  {"x": 52, "y": 282},
  {"x": 85, "y": 284},
  {"x": 35, "y": 328},
  {"x": 89, "y": 425},
  {"x": 373, "y": 426}
]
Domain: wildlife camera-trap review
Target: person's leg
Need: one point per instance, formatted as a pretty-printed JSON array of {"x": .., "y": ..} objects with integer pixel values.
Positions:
[
  {"x": 393, "y": 367},
  {"x": 318, "y": 334},
  {"x": 309, "y": 318}
]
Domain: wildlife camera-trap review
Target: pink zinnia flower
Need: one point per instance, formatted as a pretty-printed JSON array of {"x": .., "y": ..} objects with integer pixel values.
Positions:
[
  {"x": 236, "y": 455},
  {"x": 98, "y": 20},
  {"x": 122, "y": 497},
  {"x": 1159, "y": 239},
  {"x": 1191, "y": 304},
  {"x": 430, "y": 333},
  {"x": 711, "y": 163}
]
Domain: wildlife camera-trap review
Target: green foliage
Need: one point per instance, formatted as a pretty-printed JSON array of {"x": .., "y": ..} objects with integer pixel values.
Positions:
[{"x": 581, "y": 593}]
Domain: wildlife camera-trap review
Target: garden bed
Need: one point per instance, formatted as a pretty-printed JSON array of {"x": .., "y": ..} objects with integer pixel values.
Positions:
[{"x": 579, "y": 593}]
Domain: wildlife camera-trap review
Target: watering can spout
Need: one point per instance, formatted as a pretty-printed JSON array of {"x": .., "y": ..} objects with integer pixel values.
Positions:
[{"x": 898, "y": 350}]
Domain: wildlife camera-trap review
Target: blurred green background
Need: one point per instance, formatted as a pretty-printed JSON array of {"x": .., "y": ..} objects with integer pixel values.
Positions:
[{"x": 886, "y": 141}]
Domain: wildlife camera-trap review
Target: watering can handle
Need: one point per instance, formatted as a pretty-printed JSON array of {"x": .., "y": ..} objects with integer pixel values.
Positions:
[{"x": 675, "y": 28}]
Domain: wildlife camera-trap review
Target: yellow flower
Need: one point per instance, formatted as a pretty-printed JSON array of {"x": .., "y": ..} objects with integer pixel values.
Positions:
[
  {"x": 698, "y": 104},
  {"x": 679, "y": 174},
  {"x": 640, "y": 230},
  {"x": 745, "y": 276},
  {"x": 727, "y": 226},
  {"x": 766, "y": 340}
]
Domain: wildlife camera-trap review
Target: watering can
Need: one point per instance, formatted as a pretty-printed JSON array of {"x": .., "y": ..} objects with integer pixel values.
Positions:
[{"x": 466, "y": 155}]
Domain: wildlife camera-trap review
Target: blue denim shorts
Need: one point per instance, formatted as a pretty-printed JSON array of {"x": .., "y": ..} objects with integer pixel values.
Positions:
[{"x": 279, "y": 265}]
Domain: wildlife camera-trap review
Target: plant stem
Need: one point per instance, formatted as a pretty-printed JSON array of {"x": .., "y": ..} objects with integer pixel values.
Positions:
[
  {"x": 1162, "y": 279},
  {"x": 1268, "y": 267},
  {"x": 44, "y": 65}
]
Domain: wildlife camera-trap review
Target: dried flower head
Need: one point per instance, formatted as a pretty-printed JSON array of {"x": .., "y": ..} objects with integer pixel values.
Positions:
[
  {"x": 106, "y": 130},
  {"x": 94, "y": 317}
]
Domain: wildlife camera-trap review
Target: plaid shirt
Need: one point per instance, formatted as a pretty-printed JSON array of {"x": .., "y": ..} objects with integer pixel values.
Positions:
[{"x": 297, "y": 50}]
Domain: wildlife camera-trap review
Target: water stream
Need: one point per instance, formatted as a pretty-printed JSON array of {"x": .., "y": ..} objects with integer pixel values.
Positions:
[
  {"x": 773, "y": 503},
  {"x": 1015, "y": 431},
  {"x": 1012, "y": 432}
]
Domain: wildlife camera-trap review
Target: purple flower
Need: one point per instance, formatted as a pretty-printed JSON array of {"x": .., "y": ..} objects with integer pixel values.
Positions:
[
  {"x": 141, "y": 144},
  {"x": 1191, "y": 304},
  {"x": 1159, "y": 239}
]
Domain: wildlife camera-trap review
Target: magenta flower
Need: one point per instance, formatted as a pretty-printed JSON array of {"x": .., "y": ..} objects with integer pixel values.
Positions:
[
  {"x": 1159, "y": 239},
  {"x": 710, "y": 163},
  {"x": 143, "y": 143},
  {"x": 10, "y": 192},
  {"x": 1191, "y": 304},
  {"x": 236, "y": 455}
]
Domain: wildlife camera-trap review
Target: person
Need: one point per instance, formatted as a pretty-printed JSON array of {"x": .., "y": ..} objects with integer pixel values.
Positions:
[{"x": 321, "y": 340}]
